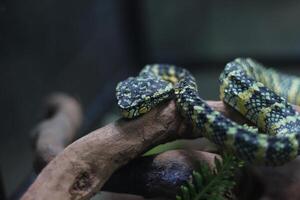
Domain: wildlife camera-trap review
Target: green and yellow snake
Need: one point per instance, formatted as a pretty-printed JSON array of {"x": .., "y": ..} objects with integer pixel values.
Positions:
[{"x": 262, "y": 95}]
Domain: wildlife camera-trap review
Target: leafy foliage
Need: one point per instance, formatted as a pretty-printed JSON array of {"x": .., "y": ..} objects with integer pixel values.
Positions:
[{"x": 211, "y": 184}]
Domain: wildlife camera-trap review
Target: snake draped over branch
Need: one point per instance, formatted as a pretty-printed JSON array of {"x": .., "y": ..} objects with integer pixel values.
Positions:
[{"x": 262, "y": 95}]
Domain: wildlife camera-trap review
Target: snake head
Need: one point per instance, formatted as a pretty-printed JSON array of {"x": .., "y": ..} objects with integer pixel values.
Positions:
[{"x": 137, "y": 95}]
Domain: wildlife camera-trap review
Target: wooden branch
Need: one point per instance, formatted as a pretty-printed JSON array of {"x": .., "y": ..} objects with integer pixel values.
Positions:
[
  {"x": 58, "y": 127},
  {"x": 159, "y": 175},
  {"x": 85, "y": 165},
  {"x": 63, "y": 117}
]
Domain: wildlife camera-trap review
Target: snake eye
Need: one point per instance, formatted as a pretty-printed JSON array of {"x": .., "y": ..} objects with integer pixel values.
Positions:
[
  {"x": 143, "y": 110},
  {"x": 126, "y": 91}
]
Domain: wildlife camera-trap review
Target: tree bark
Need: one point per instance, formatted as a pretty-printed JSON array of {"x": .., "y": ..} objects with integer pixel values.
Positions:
[{"x": 62, "y": 119}]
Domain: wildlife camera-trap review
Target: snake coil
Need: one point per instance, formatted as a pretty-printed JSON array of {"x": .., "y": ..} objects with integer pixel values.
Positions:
[{"x": 262, "y": 95}]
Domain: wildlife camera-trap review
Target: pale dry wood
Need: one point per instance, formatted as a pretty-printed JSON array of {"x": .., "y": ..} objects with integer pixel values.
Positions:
[
  {"x": 83, "y": 167},
  {"x": 61, "y": 121}
]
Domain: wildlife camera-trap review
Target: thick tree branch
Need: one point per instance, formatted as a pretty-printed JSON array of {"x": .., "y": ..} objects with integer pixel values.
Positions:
[
  {"x": 63, "y": 117},
  {"x": 85, "y": 165},
  {"x": 159, "y": 175}
]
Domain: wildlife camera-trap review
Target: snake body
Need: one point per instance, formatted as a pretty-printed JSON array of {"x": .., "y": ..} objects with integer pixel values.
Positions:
[{"x": 262, "y": 95}]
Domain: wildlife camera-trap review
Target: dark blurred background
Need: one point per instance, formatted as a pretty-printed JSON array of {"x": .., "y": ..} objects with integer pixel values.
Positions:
[{"x": 84, "y": 48}]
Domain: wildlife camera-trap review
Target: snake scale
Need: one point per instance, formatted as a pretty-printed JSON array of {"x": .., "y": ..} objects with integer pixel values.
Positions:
[{"x": 262, "y": 95}]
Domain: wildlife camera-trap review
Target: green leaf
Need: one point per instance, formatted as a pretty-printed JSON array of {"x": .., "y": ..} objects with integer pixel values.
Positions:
[
  {"x": 192, "y": 190},
  {"x": 197, "y": 180},
  {"x": 211, "y": 184},
  {"x": 185, "y": 192},
  {"x": 178, "y": 197}
]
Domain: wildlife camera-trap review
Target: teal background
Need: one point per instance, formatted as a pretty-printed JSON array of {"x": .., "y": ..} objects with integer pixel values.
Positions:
[{"x": 218, "y": 30}]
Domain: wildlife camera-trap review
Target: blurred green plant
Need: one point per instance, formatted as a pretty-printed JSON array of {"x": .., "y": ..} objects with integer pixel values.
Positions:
[
  {"x": 165, "y": 147},
  {"x": 211, "y": 184}
]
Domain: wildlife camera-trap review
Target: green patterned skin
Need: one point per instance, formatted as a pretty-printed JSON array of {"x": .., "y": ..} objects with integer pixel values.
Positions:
[{"x": 262, "y": 95}]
